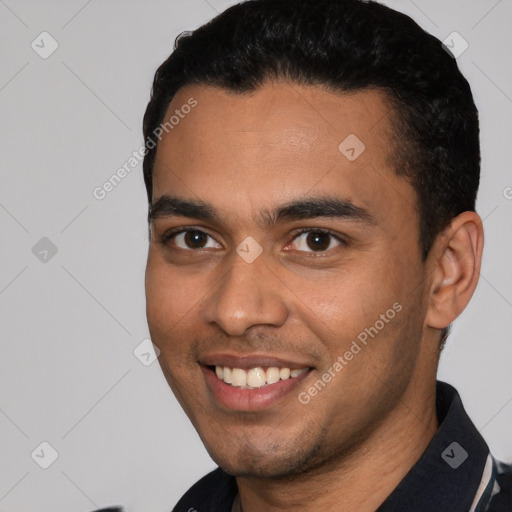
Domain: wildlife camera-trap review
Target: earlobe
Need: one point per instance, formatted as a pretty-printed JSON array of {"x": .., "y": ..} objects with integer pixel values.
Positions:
[{"x": 456, "y": 260}]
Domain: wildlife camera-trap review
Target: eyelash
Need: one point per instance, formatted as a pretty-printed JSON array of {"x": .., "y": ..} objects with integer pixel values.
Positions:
[
  {"x": 323, "y": 231},
  {"x": 170, "y": 234}
]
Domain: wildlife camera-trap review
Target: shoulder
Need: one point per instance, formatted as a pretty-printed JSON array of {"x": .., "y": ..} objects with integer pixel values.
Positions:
[{"x": 215, "y": 491}]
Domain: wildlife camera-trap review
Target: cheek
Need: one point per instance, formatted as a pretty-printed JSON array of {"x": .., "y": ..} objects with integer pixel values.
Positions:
[
  {"x": 365, "y": 315},
  {"x": 170, "y": 301},
  {"x": 341, "y": 304}
]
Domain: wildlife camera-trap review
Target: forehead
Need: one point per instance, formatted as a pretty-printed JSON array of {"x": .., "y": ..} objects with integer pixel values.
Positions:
[
  {"x": 279, "y": 114},
  {"x": 279, "y": 142}
]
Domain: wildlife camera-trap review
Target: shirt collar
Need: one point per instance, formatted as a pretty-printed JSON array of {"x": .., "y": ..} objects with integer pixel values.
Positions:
[{"x": 448, "y": 474}]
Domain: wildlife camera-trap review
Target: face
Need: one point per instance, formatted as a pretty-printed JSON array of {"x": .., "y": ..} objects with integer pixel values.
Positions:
[{"x": 285, "y": 288}]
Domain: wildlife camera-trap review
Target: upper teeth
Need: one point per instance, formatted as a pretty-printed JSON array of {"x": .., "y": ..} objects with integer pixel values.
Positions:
[{"x": 255, "y": 377}]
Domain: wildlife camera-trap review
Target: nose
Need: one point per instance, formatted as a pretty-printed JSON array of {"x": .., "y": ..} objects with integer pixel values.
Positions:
[{"x": 249, "y": 294}]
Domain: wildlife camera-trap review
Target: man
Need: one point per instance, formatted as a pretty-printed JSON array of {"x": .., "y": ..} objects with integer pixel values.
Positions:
[{"x": 312, "y": 168}]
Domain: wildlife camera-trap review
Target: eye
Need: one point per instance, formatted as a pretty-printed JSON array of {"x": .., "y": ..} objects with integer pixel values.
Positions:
[
  {"x": 316, "y": 240},
  {"x": 189, "y": 239}
]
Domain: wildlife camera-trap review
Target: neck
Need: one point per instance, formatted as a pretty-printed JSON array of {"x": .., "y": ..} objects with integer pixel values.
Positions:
[{"x": 361, "y": 481}]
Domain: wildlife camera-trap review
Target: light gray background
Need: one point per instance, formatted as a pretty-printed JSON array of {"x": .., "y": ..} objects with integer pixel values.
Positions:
[{"x": 69, "y": 326}]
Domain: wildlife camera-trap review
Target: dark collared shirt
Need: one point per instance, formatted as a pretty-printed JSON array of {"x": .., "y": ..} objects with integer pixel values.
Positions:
[{"x": 456, "y": 473}]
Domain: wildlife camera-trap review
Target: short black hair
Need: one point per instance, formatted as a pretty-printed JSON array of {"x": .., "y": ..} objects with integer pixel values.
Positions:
[{"x": 346, "y": 46}]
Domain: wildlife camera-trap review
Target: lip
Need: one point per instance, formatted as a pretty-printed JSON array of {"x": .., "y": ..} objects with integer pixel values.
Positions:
[
  {"x": 247, "y": 362},
  {"x": 245, "y": 400}
]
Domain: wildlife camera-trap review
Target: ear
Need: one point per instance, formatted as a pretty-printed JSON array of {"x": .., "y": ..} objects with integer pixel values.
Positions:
[{"x": 456, "y": 261}]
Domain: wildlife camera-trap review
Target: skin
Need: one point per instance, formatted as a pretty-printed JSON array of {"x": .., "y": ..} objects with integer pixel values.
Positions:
[{"x": 356, "y": 439}]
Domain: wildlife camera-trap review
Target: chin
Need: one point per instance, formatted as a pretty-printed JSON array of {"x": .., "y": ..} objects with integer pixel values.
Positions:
[
  {"x": 282, "y": 461},
  {"x": 259, "y": 469}
]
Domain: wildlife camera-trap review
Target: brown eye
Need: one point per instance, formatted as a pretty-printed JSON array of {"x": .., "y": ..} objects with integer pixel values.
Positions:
[
  {"x": 316, "y": 241},
  {"x": 190, "y": 239},
  {"x": 195, "y": 239}
]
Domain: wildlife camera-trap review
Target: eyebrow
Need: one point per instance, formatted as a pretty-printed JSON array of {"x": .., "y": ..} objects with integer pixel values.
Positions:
[{"x": 308, "y": 208}]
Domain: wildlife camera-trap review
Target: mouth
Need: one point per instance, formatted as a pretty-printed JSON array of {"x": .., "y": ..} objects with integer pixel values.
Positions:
[
  {"x": 255, "y": 378},
  {"x": 251, "y": 383}
]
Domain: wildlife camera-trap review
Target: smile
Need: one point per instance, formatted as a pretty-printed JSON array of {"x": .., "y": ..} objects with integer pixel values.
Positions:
[
  {"x": 255, "y": 378},
  {"x": 252, "y": 382}
]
